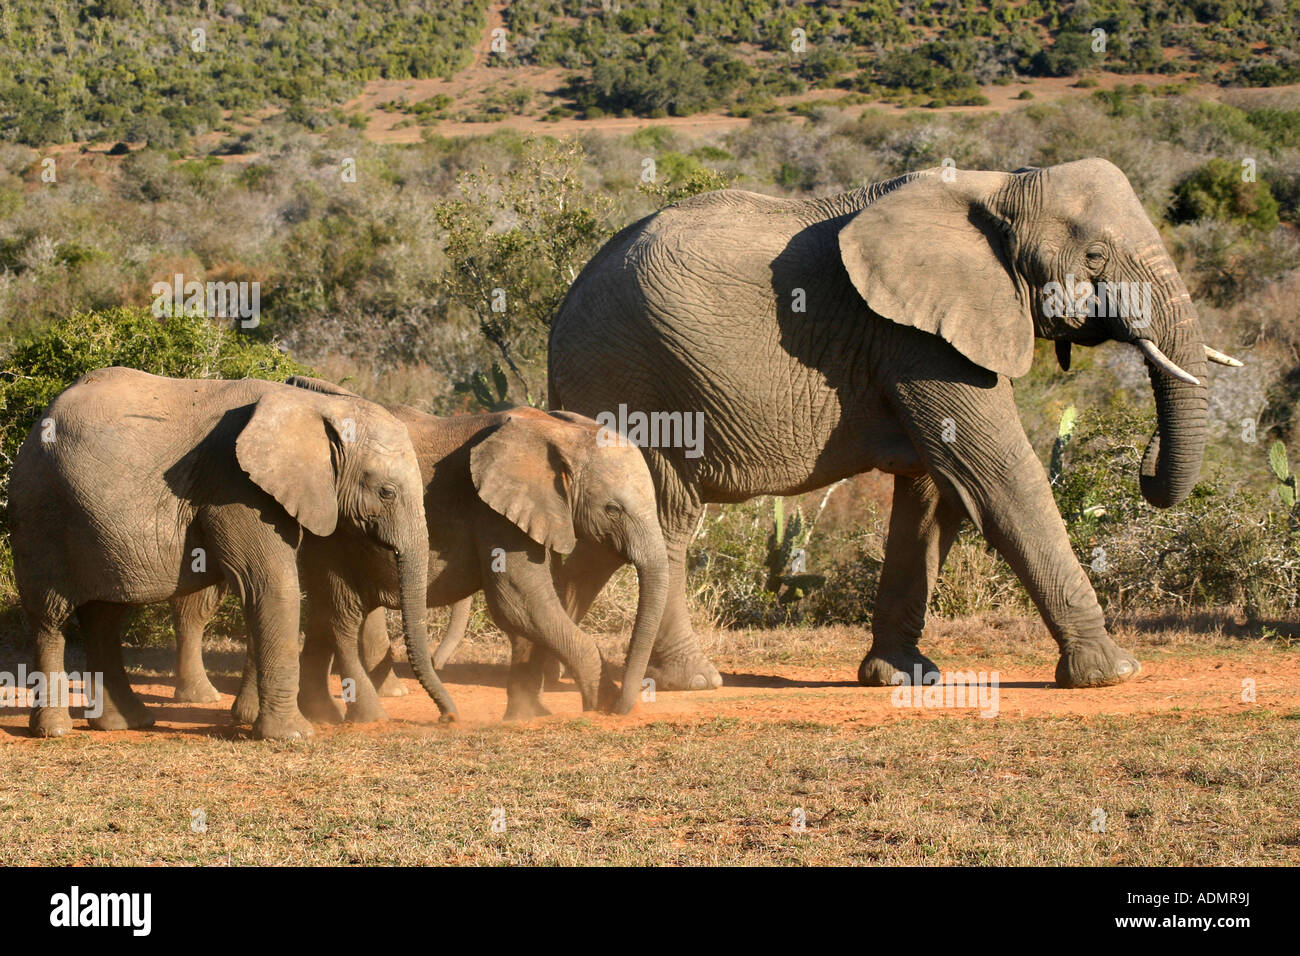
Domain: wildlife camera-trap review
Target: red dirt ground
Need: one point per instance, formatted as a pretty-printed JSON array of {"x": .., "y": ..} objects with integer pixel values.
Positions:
[{"x": 823, "y": 695}]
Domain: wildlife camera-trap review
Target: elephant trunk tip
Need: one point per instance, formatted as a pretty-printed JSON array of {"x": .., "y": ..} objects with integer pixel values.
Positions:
[
  {"x": 1164, "y": 487},
  {"x": 1160, "y": 495}
]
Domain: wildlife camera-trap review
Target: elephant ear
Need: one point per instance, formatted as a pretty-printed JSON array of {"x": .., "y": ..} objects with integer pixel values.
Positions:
[
  {"x": 931, "y": 254},
  {"x": 287, "y": 449},
  {"x": 525, "y": 471}
]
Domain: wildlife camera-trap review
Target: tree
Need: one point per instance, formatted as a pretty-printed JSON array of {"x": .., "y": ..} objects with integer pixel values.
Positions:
[{"x": 515, "y": 242}]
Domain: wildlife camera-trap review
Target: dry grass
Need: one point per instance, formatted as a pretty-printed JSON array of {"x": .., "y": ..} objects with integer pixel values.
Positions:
[
  {"x": 1176, "y": 788},
  {"x": 1175, "y": 791}
]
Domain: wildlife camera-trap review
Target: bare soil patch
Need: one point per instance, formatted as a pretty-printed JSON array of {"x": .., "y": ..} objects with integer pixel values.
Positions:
[{"x": 818, "y": 685}]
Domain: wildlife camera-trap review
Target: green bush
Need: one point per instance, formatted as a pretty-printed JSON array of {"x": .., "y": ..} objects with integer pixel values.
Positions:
[
  {"x": 1223, "y": 547},
  {"x": 1218, "y": 191}
]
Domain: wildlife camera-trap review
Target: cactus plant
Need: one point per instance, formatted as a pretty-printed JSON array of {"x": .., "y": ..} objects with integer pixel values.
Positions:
[
  {"x": 1286, "y": 479},
  {"x": 482, "y": 390},
  {"x": 781, "y": 545},
  {"x": 1064, "y": 432}
]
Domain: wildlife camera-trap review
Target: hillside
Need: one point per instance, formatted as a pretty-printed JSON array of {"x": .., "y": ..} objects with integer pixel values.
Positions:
[{"x": 165, "y": 72}]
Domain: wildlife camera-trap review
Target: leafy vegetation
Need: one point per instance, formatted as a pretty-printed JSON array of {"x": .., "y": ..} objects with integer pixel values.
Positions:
[
  {"x": 165, "y": 71},
  {"x": 515, "y": 243},
  {"x": 1221, "y": 190},
  {"x": 430, "y": 276},
  {"x": 676, "y": 57},
  {"x": 162, "y": 70}
]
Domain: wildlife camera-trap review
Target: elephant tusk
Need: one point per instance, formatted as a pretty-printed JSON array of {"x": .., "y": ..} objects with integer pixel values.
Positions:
[
  {"x": 1214, "y": 355},
  {"x": 1163, "y": 362}
]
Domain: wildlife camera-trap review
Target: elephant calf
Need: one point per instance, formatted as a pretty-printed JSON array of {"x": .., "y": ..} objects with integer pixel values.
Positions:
[
  {"x": 133, "y": 489},
  {"x": 523, "y": 505}
]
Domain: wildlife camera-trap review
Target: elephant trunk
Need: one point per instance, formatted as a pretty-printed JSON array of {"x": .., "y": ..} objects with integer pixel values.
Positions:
[
  {"x": 652, "y": 596},
  {"x": 413, "y": 583},
  {"x": 1172, "y": 462}
]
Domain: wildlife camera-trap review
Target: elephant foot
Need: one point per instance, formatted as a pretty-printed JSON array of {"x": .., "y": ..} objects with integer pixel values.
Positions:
[
  {"x": 525, "y": 707},
  {"x": 684, "y": 673},
  {"x": 196, "y": 692},
  {"x": 359, "y": 713},
  {"x": 116, "y": 720},
  {"x": 282, "y": 727},
  {"x": 120, "y": 709},
  {"x": 319, "y": 709},
  {"x": 890, "y": 667},
  {"x": 1097, "y": 663},
  {"x": 244, "y": 709},
  {"x": 392, "y": 686},
  {"x": 50, "y": 722}
]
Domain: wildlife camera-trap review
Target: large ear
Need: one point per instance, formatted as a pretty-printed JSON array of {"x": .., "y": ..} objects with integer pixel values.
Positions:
[
  {"x": 286, "y": 448},
  {"x": 525, "y": 470},
  {"x": 933, "y": 255}
]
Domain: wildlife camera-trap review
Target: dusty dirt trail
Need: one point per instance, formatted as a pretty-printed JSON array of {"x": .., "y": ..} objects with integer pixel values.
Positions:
[{"x": 822, "y": 695}]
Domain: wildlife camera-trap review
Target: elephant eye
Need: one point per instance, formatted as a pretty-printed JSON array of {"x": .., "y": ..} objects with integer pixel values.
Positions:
[
  {"x": 387, "y": 492},
  {"x": 613, "y": 510},
  {"x": 1096, "y": 256}
]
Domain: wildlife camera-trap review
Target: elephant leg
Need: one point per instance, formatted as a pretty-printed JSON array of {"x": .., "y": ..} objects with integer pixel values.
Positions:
[
  {"x": 190, "y": 615},
  {"x": 524, "y": 604},
  {"x": 244, "y": 710},
  {"x": 584, "y": 572},
  {"x": 120, "y": 708},
  {"x": 527, "y": 677},
  {"x": 971, "y": 439},
  {"x": 677, "y": 662},
  {"x": 363, "y": 704},
  {"x": 377, "y": 655},
  {"x": 922, "y": 528},
  {"x": 314, "y": 698},
  {"x": 272, "y": 615},
  {"x": 457, "y": 623},
  {"x": 50, "y": 718}
]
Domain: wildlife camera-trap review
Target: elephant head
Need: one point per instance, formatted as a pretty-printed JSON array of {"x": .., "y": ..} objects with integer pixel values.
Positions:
[
  {"x": 988, "y": 260},
  {"x": 340, "y": 464},
  {"x": 556, "y": 480}
]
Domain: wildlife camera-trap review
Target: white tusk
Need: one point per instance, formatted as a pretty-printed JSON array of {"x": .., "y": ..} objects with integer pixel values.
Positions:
[
  {"x": 1214, "y": 355},
  {"x": 1162, "y": 362}
]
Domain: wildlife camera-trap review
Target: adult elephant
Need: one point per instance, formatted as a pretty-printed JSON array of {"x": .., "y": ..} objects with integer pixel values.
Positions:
[
  {"x": 881, "y": 328},
  {"x": 134, "y": 489},
  {"x": 508, "y": 496}
]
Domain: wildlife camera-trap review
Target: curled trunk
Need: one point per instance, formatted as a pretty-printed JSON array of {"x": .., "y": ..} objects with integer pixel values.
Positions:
[
  {"x": 412, "y": 576},
  {"x": 652, "y": 595},
  {"x": 1172, "y": 462}
]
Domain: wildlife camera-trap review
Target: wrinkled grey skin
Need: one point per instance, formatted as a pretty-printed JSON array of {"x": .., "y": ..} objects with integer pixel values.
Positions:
[
  {"x": 921, "y": 300},
  {"x": 507, "y": 496},
  {"x": 192, "y": 612},
  {"x": 134, "y": 489}
]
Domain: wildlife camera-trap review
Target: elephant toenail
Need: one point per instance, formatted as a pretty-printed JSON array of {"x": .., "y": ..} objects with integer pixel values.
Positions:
[{"x": 699, "y": 682}]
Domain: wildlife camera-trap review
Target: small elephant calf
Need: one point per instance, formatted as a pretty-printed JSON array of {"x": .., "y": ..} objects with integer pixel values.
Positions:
[{"x": 535, "y": 509}]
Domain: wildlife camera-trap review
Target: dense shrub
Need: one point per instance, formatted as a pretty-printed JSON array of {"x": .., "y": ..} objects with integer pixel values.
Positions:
[
  {"x": 140, "y": 72},
  {"x": 1219, "y": 190}
]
